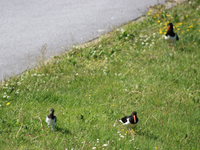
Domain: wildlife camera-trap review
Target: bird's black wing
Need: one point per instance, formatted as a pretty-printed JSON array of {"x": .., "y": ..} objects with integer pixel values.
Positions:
[
  {"x": 124, "y": 119},
  {"x": 55, "y": 118}
]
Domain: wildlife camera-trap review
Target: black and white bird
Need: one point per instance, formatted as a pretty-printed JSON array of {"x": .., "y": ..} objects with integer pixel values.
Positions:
[
  {"x": 170, "y": 36},
  {"x": 129, "y": 121},
  {"x": 51, "y": 119}
]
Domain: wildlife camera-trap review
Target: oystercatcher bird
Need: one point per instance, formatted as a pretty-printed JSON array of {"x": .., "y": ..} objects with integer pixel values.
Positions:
[
  {"x": 170, "y": 36},
  {"x": 129, "y": 121},
  {"x": 51, "y": 119}
]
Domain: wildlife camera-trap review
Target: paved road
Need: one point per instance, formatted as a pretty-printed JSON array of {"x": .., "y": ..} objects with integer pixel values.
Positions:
[{"x": 27, "y": 25}]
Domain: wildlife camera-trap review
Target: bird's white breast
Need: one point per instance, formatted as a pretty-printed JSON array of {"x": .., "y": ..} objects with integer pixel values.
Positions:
[
  {"x": 50, "y": 121},
  {"x": 170, "y": 39}
]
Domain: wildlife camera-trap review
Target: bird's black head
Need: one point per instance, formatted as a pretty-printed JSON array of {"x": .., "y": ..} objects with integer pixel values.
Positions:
[
  {"x": 170, "y": 26},
  {"x": 134, "y": 113},
  {"x": 52, "y": 111}
]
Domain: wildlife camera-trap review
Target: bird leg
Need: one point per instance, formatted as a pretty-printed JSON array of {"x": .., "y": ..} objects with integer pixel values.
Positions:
[{"x": 173, "y": 49}]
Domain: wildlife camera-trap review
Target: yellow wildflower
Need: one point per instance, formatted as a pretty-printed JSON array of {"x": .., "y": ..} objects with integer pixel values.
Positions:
[
  {"x": 8, "y": 103},
  {"x": 160, "y": 31},
  {"x": 154, "y": 17},
  {"x": 157, "y": 14},
  {"x": 194, "y": 19},
  {"x": 22, "y": 146},
  {"x": 194, "y": 43},
  {"x": 168, "y": 15},
  {"x": 132, "y": 131},
  {"x": 171, "y": 17},
  {"x": 113, "y": 105},
  {"x": 186, "y": 16},
  {"x": 156, "y": 147},
  {"x": 158, "y": 21},
  {"x": 149, "y": 10},
  {"x": 149, "y": 13},
  {"x": 178, "y": 29},
  {"x": 89, "y": 94},
  {"x": 188, "y": 30},
  {"x": 180, "y": 23}
]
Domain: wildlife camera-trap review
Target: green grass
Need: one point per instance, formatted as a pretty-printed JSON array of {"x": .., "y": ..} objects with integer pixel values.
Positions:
[{"x": 107, "y": 79}]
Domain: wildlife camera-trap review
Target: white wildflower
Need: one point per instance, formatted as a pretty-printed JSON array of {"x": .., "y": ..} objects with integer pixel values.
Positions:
[
  {"x": 94, "y": 148},
  {"x": 105, "y": 145},
  {"x": 122, "y": 30}
]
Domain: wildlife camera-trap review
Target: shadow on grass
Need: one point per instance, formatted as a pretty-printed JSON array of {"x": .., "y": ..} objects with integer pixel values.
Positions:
[
  {"x": 64, "y": 131},
  {"x": 148, "y": 135}
]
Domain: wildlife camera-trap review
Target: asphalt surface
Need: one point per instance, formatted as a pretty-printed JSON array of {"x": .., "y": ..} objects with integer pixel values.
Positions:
[{"x": 27, "y": 26}]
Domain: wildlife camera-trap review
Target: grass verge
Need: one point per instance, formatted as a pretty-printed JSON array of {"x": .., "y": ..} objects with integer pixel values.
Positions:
[{"x": 90, "y": 87}]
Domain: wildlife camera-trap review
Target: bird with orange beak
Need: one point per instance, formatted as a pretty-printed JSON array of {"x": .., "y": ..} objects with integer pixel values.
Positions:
[
  {"x": 170, "y": 36},
  {"x": 130, "y": 121}
]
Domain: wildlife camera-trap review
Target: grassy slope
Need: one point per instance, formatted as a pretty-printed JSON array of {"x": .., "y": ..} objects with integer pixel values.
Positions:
[{"x": 109, "y": 79}]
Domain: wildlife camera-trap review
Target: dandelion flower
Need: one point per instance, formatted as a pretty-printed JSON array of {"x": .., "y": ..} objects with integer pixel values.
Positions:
[
  {"x": 113, "y": 105},
  {"x": 188, "y": 30},
  {"x": 89, "y": 94},
  {"x": 149, "y": 10},
  {"x": 156, "y": 147},
  {"x": 149, "y": 13},
  {"x": 168, "y": 15},
  {"x": 186, "y": 16},
  {"x": 8, "y": 103},
  {"x": 194, "y": 43},
  {"x": 157, "y": 14},
  {"x": 158, "y": 21},
  {"x": 22, "y": 146}
]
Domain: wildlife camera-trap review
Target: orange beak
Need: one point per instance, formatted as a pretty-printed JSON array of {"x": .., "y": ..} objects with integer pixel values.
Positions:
[
  {"x": 134, "y": 119},
  {"x": 168, "y": 27}
]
